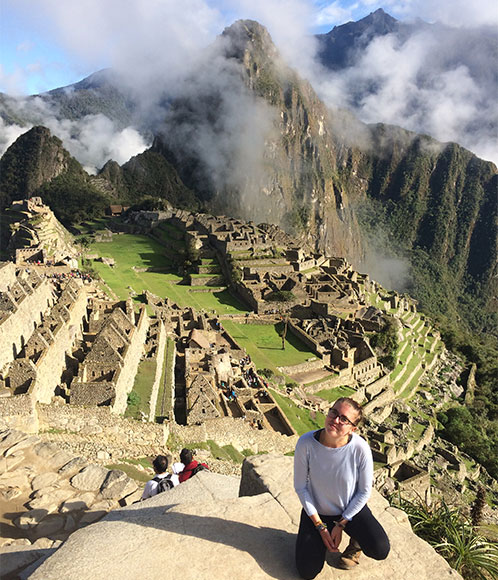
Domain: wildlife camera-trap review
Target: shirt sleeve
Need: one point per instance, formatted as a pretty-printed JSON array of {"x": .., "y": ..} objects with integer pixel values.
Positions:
[
  {"x": 149, "y": 489},
  {"x": 364, "y": 486},
  {"x": 301, "y": 477}
]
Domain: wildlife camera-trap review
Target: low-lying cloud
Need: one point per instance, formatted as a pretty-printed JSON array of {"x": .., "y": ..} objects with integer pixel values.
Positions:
[
  {"x": 92, "y": 140},
  {"x": 440, "y": 81}
]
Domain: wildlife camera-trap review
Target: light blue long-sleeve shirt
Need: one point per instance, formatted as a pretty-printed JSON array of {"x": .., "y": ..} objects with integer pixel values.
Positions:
[{"x": 333, "y": 481}]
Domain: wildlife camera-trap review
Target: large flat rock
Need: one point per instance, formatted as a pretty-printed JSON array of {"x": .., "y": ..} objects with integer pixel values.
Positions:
[{"x": 201, "y": 529}]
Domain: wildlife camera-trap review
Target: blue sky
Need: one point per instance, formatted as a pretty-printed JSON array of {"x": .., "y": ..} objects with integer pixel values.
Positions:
[{"x": 48, "y": 43}]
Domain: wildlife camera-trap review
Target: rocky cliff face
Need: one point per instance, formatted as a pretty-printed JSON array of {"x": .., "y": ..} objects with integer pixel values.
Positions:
[{"x": 257, "y": 143}]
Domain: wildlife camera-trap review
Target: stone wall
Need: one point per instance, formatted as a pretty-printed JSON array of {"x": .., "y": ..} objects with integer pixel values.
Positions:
[
  {"x": 161, "y": 343},
  {"x": 17, "y": 327},
  {"x": 19, "y": 413},
  {"x": 373, "y": 389},
  {"x": 7, "y": 275},
  {"x": 381, "y": 400},
  {"x": 126, "y": 378},
  {"x": 304, "y": 367},
  {"x": 52, "y": 362},
  {"x": 117, "y": 432},
  {"x": 236, "y": 432},
  {"x": 305, "y": 338}
]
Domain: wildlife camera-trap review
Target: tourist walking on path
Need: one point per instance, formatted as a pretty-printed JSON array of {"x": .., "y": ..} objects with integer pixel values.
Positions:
[{"x": 333, "y": 473}]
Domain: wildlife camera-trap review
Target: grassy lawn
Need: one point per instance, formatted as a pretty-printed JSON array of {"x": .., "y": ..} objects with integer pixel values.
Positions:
[
  {"x": 264, "y": 343},
  {"x": 164, "y": 406},
  {"x": 143, "y": 252},
  {"x": 299, "y": 418},
  {"x": 331, "y": 395},
  {"x": 143, "y": 388}
]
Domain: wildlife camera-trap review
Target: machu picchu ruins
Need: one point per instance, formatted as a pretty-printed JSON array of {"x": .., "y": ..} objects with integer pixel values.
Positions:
[{"x": 72, "y": 352}]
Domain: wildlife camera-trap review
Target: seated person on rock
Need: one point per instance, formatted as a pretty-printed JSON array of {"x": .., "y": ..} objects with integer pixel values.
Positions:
[
  {"x": 162, "y": 481},
  {"x": 333, "y": 473},
  {"x": 191, "y": 465}
]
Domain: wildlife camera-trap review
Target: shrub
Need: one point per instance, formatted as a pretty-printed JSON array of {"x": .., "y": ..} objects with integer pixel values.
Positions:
[
  {"x": 280, "y": 296},
  {"x": 452, "y": 536},
  {"x": 133, "y": 399}
]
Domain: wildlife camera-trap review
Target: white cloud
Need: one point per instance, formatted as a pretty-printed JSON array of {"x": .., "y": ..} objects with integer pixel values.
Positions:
[{"x": 441, "y": 81}]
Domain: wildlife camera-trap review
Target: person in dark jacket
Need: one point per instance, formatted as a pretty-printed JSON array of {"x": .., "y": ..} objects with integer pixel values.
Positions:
[{"x": 191, "y": 465}]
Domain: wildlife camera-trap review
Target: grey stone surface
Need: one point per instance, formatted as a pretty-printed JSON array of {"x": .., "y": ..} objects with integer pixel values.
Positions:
[
  {"x": 51, "y": 524},
  {"x": 51, "y": 501},
  {"x": 117, "y": 484},
  {"x": 72, "y": 467},
  {"x": 200, "y": 530},
  {"x": 23, "y": 444},
  {"x": 81, "y": 502},
  {"x": 29, "y": 519},
  {"x": 90, "y": 478},
  {"x": 14, "y": 558},
  {"x": 9, "y": 438},
  {"x": 44, "y": 480}
]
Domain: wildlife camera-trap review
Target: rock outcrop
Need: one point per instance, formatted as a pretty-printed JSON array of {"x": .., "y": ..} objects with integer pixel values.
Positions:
[{"x": 201, "y": 529}]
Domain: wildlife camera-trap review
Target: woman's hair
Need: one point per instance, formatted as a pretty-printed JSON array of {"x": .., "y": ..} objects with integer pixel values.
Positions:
[
  {"x": 186, "y": 456},
  {"x": 160, "y": 464},
  {"x": 352, "y": 403}
]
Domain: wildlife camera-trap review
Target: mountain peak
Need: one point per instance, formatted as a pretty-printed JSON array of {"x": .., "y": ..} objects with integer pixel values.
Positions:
[{"x": 244, "y": 35}]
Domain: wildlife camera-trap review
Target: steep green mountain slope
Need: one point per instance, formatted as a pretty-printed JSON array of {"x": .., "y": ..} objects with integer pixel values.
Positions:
[
  {"x": 38, "y": 164},
  {"x": 34, "y": 159},
  {"x": 438, "y": 203}
]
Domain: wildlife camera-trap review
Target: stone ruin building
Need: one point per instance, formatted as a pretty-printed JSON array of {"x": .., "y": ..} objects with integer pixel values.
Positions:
[
  {"x": 37, "y": 236},
  {"x": 213, "y": 377},
  {"x": 114, "y": 336},
  {"x": 58, "y": 340}
]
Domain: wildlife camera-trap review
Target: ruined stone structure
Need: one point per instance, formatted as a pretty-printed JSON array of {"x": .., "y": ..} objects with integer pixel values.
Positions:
[
  {"x": 106, "y": 375},
  {"x": 39, "y": 369},
  {"x": 213, "y": 366},
  {"x": 24, "y": 298}
]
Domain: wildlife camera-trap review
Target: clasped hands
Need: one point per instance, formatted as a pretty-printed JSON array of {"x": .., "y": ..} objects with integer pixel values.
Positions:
[{"x": 332, "y": 539}]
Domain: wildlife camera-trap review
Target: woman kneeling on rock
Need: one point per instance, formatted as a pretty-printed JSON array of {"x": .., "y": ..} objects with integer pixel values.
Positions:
[{"x": 333, "y": 473}]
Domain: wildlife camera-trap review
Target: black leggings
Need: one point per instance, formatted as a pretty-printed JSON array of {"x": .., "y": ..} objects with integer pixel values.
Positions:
[{"x": 364, "y": 528}]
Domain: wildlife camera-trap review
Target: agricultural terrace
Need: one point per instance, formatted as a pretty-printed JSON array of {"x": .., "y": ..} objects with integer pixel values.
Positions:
[{"x": 135, "y": 256}]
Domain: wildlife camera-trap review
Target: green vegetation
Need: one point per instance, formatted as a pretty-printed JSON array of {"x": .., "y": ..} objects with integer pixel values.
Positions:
[
  {"x": 73, "y": 199},
  {"x": 280, "y": 296},
  {"x": 386, "y": 344},
  {"x": 474, "y": 434},
  {"x": 135, "y": 253},
  {"x": 452, "y": 536},
  {"x": 299, "y": 418},
  {"x": 332, "y": 395},
  {"x": 264, "y": 343},
  {"x": 130, "y": 471},
  {"x": 139, "y": 397}
]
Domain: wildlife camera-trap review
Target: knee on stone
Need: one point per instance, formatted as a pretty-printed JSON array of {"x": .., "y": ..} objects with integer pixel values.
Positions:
[{"x": 380, "y": 551}]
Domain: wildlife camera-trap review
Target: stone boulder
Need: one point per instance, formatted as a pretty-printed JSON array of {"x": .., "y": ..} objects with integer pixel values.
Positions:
[{"x": 204, "y": 529}]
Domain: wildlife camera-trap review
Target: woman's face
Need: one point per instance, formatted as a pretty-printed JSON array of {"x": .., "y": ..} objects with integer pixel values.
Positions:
[{"x": 341, "y": 419}]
